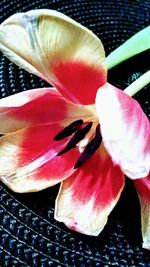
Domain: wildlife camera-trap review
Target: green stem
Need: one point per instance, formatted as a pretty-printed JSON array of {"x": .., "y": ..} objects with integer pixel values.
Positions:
[
  {"x": 133, "y": 46},
  {"x": 138, "y": 84}
]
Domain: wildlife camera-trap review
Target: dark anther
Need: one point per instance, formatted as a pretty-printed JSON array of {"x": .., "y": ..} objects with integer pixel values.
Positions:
[
  {"x": 80, "y": 134},
  {"x": 69, "y": 130},
  {"x": 98, "y": 130},
  {"x": 90, "y": 149},
  {"x": 77, "y": 137}
]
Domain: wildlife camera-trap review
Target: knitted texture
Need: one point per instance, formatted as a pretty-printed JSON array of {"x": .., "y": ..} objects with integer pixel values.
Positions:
[{"x": 29, "y": 234}]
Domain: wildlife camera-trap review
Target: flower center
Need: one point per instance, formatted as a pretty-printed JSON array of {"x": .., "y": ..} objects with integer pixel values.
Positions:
[{"x": 84, "y": 135}]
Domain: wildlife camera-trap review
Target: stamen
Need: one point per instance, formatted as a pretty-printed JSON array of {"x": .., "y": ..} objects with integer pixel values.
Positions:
[
  {"x": 78, "y": 136},
  {"x": 98, "y": 131},
  {"x": 90, "y": 149},
  {"x": 69, "y": 130}
]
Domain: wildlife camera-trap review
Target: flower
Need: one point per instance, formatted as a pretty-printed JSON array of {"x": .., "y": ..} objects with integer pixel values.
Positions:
[{"x": 85, "y": 133}]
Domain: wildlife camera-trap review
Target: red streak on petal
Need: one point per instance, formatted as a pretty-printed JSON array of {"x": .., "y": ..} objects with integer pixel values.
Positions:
[
  {"x": 59, "y": 166},
  {"x": 79, "y": 82},
  {"x": 125, "y": 130},
  {"x": 37, "y": 141},
  {"x": 46, "y": 108},
  {"x": 38, "y": 144},
  {"x": 134, "y": 115},
  {"x": 99, "y": 179}
]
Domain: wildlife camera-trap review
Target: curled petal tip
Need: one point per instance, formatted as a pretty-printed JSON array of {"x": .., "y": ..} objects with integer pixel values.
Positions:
[
  {"x": 5, "y": 180},
  {"x": 146, "y": 246}
]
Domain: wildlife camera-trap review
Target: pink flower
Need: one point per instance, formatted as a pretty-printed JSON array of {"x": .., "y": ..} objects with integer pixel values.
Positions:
[{"x": 85, "y": 133}]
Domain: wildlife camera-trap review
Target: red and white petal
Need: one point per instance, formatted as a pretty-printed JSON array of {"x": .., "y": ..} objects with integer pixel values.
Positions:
[
  {"x": 29, "y": 161},
  {"x": 37, "y": 106},
  {"x": 143, "y": 190},
  {"x": 86, "y": 198},
  {"x": 58, "y": 49},
  {"x": 125, "y": 130}
]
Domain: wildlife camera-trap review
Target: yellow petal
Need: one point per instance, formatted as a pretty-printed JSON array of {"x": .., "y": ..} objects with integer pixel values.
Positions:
[
  {"x": 86, "y": 198},
  {"x": 43, "y": 41},
  {"x": 143, "y": 190},
  {"x": 28, "y": 158}
]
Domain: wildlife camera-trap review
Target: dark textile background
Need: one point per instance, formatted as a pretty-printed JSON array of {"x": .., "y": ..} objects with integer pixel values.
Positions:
[{"x": 30, "y": 235}]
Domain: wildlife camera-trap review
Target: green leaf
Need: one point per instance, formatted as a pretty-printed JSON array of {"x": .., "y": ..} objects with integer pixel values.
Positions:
[{"x": 133, "y": 46}]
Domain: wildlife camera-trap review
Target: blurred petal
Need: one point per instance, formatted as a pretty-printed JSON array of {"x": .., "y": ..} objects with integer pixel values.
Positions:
[
  {"x": 86, "y": 198},
  {"x": 125, "y": 130},
  {"x": 37, "y": 106},
  {"x": 58, "y": 49},
  {"x": 143, "y": 189},
  {"x": 29, "y": 161}
]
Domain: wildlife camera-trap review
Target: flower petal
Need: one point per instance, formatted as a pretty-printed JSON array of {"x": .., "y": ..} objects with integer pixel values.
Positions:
[
  {"x": 143, "y": 189},
  {"x": 58, "y": 49},
  {"x": 29, "y": 160},
  {"x": 37, "y": 106},
  {"x": 125, "y": 130},
  {"x": 89, "y": 195}
]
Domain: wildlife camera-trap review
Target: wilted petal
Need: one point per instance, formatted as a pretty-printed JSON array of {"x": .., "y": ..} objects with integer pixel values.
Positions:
[
  {"x": 37, "y": 106},
  {"x": 86, "y": 198},
  {"x": 143, "y": 189},
  {"x": 58, "y": 49},
  {"x": 29, "y": 161},
  {"x": 125, "y": 130}
]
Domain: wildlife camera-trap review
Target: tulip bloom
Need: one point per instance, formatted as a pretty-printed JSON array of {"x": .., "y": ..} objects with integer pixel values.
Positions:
[{"x": 83, "y": 132}]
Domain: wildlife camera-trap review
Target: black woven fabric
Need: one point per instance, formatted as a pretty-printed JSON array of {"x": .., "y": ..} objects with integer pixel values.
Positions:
[{"x": 29, "y": 234}]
